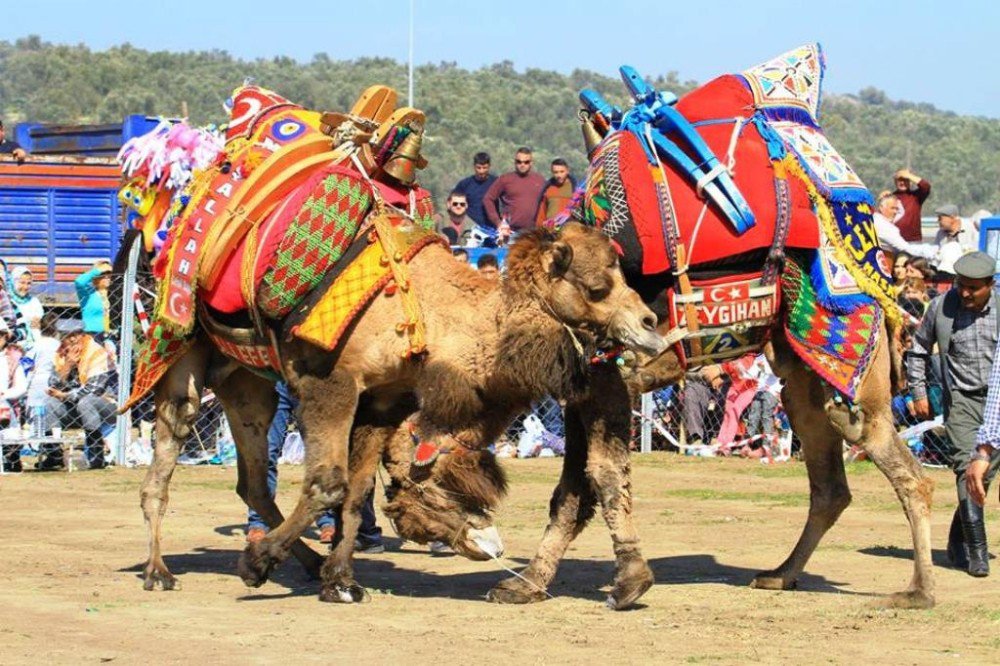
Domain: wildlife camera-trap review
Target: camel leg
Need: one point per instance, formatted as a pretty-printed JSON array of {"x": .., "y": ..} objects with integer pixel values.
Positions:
[
  {"x": 367, "y": 443},
  {"x": 803, "y": 397},
  {"x": 249, "y": 402},
  {"x": 570, "y": 509},
  {"x": 607, "y": 417},
  {"x": 326, "y": 411},
  {"x": 177, "y": 398},
  {"x": 871, "y": 427}
]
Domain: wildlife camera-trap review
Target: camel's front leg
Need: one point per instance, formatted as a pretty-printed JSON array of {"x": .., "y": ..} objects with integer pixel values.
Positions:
[
  {"x": 326, "y": 411},
  {"x": 177, "y": 398},
  {"x": 607, "y": 419},
  {"x": 250, "y": 402},
  {"x": 571, "y": 508}
]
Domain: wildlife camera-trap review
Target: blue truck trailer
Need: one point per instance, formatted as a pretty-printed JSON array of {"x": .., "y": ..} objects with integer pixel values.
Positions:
[{"x": 59, "y": 210}]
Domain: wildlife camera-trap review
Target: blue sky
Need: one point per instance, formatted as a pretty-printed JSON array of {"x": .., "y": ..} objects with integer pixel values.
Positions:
[{"x": 945, "y": 53}]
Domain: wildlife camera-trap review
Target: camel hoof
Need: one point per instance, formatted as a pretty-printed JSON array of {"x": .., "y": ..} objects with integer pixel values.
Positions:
[
  {"x": 627, "y": 590},
  {"x": 515, "y": 591},
  {"x": 910, "y": 599},
  {"x": 160, "y": 579},
  {"x": 255, "y": 565},
  {"x": 770, "y": 580},
  {"x": 344, "y": 594}
]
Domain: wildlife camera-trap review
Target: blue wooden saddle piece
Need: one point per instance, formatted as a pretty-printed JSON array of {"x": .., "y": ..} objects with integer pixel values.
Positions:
[{"x": 676, "y": 142}]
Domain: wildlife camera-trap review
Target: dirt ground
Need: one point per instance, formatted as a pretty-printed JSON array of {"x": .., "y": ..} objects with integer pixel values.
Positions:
[{"x": 71, "y": 546}]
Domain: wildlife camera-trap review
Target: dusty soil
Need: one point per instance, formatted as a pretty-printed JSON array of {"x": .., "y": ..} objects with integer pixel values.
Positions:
[{"x": 71, "y": 546}]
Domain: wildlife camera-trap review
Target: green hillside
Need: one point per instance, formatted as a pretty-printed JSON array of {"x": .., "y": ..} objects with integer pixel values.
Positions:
[{"x": 494, "y": 108}]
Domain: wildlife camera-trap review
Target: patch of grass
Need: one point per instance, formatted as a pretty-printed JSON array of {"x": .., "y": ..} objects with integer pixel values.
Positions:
[{"x": 773, "y": 499}]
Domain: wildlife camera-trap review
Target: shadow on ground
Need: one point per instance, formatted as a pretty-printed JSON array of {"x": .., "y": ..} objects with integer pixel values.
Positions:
[{"x": 581, "y": 579}]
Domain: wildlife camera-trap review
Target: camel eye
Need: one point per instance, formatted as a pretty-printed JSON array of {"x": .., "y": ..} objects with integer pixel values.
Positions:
[{"x": 597, "y": 293}]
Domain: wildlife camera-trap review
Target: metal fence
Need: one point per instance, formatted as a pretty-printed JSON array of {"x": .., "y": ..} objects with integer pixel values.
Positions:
[{"x": 690, "y": 418}]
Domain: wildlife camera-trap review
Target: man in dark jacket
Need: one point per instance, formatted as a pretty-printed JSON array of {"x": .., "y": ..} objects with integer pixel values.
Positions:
[{"x": 474, "y": 187}]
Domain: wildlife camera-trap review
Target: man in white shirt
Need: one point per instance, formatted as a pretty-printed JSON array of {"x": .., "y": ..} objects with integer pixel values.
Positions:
[
  {"x": 887, "y": 211},
  {"x": 955, "y": 237}
]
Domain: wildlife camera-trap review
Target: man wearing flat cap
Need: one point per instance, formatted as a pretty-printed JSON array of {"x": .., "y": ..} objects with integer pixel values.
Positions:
[
  {"x": 956, "y": 236},
  {"x": 964, "y": 325}
]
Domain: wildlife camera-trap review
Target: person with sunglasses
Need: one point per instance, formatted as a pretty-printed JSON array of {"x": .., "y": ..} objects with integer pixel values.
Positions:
[
  {"x": 515, "y": 195},
  {"x": 459, "y": 226}
]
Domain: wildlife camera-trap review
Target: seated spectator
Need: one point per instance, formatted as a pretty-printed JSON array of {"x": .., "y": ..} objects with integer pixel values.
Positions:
[
  {"x": 459, "y": 226},
  {"x": 700, "y": 400},
  {"x": 488, "y": 266},
  {"x": 29, "y": 308},
  {"x": 899, "y": 267},
  {"x": 79, "y": 396},
  {"x": 11, "y": 147},
  {"x": 13, "y": 385},
  {"x": 460, "y": 255}
]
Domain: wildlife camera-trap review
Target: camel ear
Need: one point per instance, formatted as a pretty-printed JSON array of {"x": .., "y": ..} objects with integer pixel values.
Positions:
[{"x": 561, "y": 256}]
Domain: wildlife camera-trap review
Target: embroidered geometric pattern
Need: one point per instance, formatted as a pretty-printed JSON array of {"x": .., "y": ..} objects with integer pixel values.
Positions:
[
  {"x": 156, "y": 353},
  {"x": 315, "y": 240},
  {"x": 839, "y": 347},
  {"x": 791, "y": 79},
  {"x": 817, "y": 155}
]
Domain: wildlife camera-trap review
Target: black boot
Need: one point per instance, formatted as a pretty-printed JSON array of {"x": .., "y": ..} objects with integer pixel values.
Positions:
[
  {"x": 94, "y": 450},
  {"x": 975, "y": 538},
  {"x": 958, "y": 552},
  {"x": 12, "y": 458},
  {"x": 50, "y": 457}
]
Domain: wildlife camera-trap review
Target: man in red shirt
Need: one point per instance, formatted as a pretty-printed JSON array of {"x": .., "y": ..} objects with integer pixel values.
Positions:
[
  {"x": 517, "y": 194},
  {"x": 557, "y": 193},
  {"x": 912, "y": 191}
]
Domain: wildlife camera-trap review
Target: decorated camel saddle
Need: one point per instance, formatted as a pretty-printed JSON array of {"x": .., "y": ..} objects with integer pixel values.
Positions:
[
  {"x": 286, "y": 224},
  {"x": 733, "y": 198}
]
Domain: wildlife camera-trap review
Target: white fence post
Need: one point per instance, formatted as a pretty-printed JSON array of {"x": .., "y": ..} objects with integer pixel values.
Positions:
[
  {"x": 646, "y": 429},
  {"x": 123, "y": 430}
]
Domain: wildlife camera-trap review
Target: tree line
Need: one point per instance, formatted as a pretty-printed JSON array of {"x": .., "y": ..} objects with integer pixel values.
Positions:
[{"x": 494, "y": 108}]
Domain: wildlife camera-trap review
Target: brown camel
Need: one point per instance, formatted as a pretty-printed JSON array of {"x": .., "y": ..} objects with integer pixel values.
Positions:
[
  {"x": 596, "y": 467},
  {"x": 489, "y": 353}
]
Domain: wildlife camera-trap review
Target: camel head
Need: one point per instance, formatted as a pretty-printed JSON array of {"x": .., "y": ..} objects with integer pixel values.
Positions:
[
  {"x": 576, "y": 275},
  {"x": 451, "y": 499}
]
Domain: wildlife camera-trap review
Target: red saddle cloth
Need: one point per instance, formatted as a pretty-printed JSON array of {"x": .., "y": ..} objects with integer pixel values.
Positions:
[
  {"x": 723, "y": 99},
  {"x": 226, "y": 296}
]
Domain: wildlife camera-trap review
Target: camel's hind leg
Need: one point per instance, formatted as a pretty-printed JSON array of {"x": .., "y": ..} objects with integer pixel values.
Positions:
[
  {"x": 368, "y": 441},
  {"x": 177, "y": 397},
  {"x": 250, "y": 402},
  {"x": 326, "y": 411},
  {"x": 821, "y": 425}
]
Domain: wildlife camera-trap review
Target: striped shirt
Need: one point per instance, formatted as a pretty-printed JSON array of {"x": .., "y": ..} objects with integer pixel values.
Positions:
[
  {"x": 970, "y": 354},
  {"x": 989, "y": 432}
]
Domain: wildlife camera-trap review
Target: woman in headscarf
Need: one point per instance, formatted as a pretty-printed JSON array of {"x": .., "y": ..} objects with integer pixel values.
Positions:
[{"x": 29, "y": 307}]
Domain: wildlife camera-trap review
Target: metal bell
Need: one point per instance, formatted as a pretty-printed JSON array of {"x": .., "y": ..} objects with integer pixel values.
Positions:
[{"x": 406, "y": 159}]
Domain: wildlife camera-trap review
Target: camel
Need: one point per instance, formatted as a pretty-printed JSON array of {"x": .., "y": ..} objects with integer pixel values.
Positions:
[
  {"x": 821, "y": 416},
  {"x": 490, "y": 351}
]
